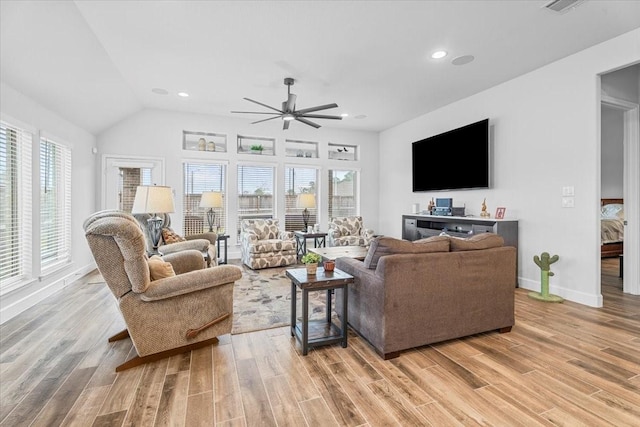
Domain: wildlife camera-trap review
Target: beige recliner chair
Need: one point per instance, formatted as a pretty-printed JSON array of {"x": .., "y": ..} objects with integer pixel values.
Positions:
[
  {"x": 203, "y": 242},
  {"x": 169, "y": 315},
  {"x": 263, "y": 245}
]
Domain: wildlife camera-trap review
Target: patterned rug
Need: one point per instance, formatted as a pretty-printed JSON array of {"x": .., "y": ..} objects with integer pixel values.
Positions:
[{"x": 262, "y": 300}]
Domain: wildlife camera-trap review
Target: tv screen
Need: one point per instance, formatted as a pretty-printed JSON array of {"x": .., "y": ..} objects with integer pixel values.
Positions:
[{"x": 454, "y": 160}]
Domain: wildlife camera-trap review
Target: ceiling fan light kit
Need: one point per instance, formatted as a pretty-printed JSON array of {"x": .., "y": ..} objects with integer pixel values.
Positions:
[{"x": 288, "y": 113}]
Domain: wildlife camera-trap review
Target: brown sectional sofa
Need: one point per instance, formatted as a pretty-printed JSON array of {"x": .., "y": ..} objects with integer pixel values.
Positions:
[{"x": 431, "y": 290}]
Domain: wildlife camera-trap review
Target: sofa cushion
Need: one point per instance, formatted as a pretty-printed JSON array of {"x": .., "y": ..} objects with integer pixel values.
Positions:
[
  {"x": 476, "y": 242},
  {"x": 382, "y": 246},
  {"x": 160, "y": 269}
]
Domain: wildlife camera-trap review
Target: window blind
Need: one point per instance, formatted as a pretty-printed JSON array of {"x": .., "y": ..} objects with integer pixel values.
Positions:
[
  {"x": 299, "y": 181},
  {"x": 343, "y": 193},
  {"x": 55, "y": 204},
  {"x": 255, "y": 193},
  {"x": 15, "y": 206},
  {"x": 198, "y": 178}
]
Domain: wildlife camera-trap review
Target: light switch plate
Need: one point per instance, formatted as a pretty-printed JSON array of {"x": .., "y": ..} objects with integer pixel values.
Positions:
[
  {"x": 568, "y": 191},
  {"x": 568, "y": 202}
]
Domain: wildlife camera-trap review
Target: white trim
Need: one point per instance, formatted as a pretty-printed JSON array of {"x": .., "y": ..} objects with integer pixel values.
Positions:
[
  {"x": 592, "y": 300},
  {"x": 128, "y": 161}
]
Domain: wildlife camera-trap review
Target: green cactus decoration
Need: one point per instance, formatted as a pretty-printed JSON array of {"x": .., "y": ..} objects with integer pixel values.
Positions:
[{"x": 544, "y": 261}]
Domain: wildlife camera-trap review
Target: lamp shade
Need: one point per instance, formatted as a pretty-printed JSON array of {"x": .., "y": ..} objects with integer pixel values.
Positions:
[
  {"x": 211, "y": 199},
  {"x": 307, "y": 200},
  {"x": 153, "y": 199}
]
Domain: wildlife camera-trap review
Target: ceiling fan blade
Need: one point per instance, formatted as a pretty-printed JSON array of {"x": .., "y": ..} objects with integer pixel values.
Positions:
[
  {"x": 264, "y": 120},
  {"x": 291, "y": 103},
  {"x": 320, "y": 116},
  {"x": 264, "y": 105},
  {"x": 318, "y": 108},
  {"x": 285, "y": 126},
  {"x": 307, "y": 122},
  {"x": 254, "y": 112}
]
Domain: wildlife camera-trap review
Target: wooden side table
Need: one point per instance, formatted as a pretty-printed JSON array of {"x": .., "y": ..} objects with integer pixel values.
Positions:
[
  {"x": 318, "y": 332},
  {"x": 319, "y": 240}
]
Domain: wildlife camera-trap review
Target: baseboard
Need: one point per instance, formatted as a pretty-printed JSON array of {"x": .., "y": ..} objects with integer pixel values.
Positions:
[
  {"x": 592, "y": 300},
  {"x": 35, "y": 291}
]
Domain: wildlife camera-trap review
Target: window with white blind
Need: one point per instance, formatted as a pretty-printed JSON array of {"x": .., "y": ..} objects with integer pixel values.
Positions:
[
  {"x": 343, "y": 193},
  {"x": 15, "y": 206},
  {"x": 198, "y": 178},
  {"x": 55, "y": 205},
  {"x": 301, "y": 185},
  {"x": 255, "y": 193}
]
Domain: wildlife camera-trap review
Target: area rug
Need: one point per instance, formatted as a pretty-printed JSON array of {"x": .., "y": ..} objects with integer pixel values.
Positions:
[{"x": 262, "y": 300}]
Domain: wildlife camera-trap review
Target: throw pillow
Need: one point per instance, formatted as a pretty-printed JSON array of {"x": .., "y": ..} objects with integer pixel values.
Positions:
[
  {"x": 382, "y": 246},
  {"x": 476, "y": 242},
  {"x": 159, "y": 269},
  {"x": 170, "y": 236}
]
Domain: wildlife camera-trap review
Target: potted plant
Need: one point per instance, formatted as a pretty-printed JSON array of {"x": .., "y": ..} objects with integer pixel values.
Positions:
[
  {"x": 311, "y": 260},
  {"x": 256, "y": 149}
]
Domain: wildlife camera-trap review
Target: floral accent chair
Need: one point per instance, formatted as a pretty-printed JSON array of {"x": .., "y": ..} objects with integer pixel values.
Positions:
[
  {"x": 263, "y": 245},
  {"x": 349, "y": 231}
]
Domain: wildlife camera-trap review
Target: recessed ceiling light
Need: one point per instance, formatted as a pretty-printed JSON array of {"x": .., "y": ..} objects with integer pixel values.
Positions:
[
  {"x": 183, "y": 94},
  {"x": 159, "y": 91},
  {"x": 439, "y": 54},
  {"x": 462, "y": 60},
  {"x": 344, "y": 115}
]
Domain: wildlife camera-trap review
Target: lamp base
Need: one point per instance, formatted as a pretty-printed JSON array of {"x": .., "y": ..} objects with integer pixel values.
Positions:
[
  {"x": 211, "y": 218},
  {"x": 305, "y": 219},
  {"x": 154, "y": 224}
]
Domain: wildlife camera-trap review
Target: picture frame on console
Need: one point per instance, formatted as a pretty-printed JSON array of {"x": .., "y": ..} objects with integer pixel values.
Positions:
[{"x": 500, "y": 212}]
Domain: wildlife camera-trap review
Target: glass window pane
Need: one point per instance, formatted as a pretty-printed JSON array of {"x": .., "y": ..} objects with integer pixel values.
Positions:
[
  {"x": 300, "y": 192},
  {"x": 255, "y": 193},
  {"x": 198, "y": 178},
  {"x": 343, "y": 193}
]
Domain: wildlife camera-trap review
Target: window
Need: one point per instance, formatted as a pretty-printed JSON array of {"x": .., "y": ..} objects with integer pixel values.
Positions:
[
  {"x": 198, "y": 178},
  {"x": 55, "y": 204},
  {"x": 255, "y": 193},
  {"x": 298, "y": 181},
  {"x": 15, "y": 206},
  {"x": 343, "y": 193},
  {"x": 130, "y": 179}
]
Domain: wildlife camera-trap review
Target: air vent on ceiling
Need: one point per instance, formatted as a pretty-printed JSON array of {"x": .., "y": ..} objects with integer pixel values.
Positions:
[{"x": 562, "y": 6}]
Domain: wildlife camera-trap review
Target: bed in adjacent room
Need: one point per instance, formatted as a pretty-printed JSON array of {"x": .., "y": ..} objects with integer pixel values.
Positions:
[{"x": 611, "y": 227}]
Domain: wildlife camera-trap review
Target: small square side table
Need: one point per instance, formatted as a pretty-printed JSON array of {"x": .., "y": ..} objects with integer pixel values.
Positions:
[
  {"x": 318, "y": 332},
  {"x": 319, "y": 241}
]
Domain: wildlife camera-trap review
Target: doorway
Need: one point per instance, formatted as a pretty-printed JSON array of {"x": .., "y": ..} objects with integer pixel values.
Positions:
[
  {"x": 121, "y": 177},
  {"x": 630, "y": 183}
]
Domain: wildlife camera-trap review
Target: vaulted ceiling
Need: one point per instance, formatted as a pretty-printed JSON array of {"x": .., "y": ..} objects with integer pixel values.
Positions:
[{"x": 96, "y": 62}]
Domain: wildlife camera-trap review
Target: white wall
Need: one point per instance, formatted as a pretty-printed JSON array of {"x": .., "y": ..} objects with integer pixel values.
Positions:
[
  {"x": 546, "y": 135},
  {"x": 16, "y": 106},
  {"x": 158, "y": 133}
]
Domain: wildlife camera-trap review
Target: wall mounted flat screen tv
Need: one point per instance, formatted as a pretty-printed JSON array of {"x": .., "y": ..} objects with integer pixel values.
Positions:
[{"x": 454, "y": 160}]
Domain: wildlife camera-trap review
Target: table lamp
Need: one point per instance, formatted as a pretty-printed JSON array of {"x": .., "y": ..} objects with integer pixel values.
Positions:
[
  {"x": 306, "y": 201},
  {"x": 153, "y": 200},
  {"x": 211, "y": 199}
]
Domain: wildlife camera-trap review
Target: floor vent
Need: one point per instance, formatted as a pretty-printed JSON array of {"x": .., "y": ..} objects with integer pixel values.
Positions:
[{"x": 562, "y": 6}]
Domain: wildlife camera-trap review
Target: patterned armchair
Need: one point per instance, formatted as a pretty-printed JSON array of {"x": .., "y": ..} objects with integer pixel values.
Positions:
[
  {"x": 348, "y": 231},
  {"x": 263, "y": 245}
]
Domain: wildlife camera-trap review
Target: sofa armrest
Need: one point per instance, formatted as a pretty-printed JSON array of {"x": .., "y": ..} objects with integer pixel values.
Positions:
[
  {"x": 286, "y": 235},
  {"x": 208, "y": 235},
  {"x": 191, "y": 282},
  {"x": 185, "y": 261},
  {"x": 201, "y": 245},
  {"x": 334, "y": 234},
  {"x": 249, "y": 237}
]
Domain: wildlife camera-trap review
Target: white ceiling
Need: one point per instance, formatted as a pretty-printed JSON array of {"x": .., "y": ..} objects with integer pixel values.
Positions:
[{"x": 95, "y": 62}]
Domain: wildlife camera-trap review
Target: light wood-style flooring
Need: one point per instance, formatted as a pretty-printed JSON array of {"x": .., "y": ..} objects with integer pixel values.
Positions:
[{"x": 562, "y": 364}]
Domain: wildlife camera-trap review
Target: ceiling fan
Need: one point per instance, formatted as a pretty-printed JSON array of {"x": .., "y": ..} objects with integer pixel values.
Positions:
[{"x": 288, "y": 113}]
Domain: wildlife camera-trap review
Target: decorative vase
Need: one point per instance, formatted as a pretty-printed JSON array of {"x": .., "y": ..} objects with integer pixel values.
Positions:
[
  {"x": 312, "y": 268},
  {"x": 329, "y": 265},
  {"x": 202, "y": 144},
  {"x": 211, "y": 146}
]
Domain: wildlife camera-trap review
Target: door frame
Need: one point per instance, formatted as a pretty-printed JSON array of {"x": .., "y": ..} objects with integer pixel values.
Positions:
[
  {"x": 631, "y": 192},
  {"x": 111, "y": 160}
]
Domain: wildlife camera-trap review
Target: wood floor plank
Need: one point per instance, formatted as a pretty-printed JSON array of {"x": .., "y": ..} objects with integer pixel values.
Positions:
[
  {"x": 201, "y": 372},
  {"x": 255, "y": 402},
  {"x": 317, "y": 413},
  {"x": 146, "y": 400},
  {"x": 227, "y": 396},
  {"x": 301, "y": 384},
  {"x": 86, "y": 407},
  {"x": 283, "y": 403},
  {"x": 172, "y": 409},
  {"x": 200, "y": 410}
]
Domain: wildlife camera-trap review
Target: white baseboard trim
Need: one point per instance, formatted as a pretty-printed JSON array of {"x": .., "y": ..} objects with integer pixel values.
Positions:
[
  {"x": 29, "y": 295},
  {"x": 592, "y": 300}
]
